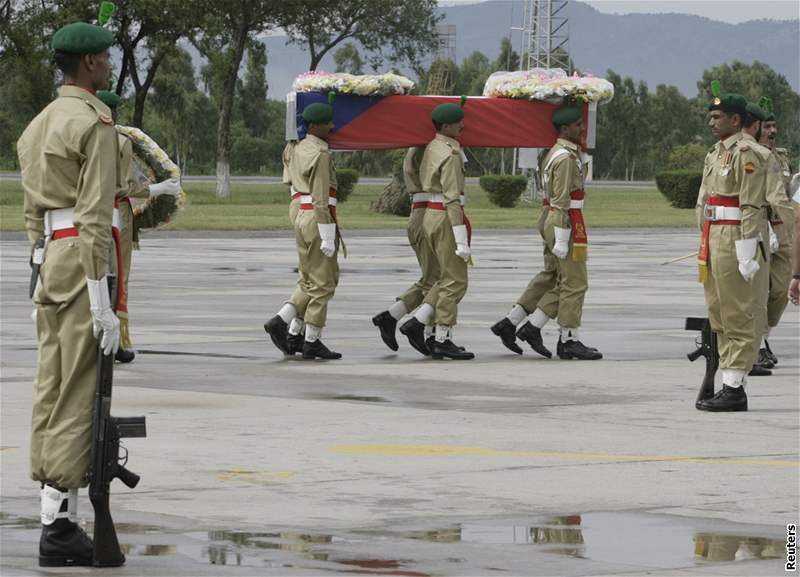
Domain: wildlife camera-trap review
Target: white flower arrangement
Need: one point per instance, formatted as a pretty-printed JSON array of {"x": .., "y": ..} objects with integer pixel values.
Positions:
[
  {"x": 362, "y": 85},
  {"x": 550, "y": 85}
]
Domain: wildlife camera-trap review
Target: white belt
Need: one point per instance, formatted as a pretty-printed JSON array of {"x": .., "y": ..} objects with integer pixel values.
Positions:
[
  {"x": 420, "y": 197},
  {"x": 307, "y": 199},
  {"x": 576, "y": 204},
  {"x": 440, "y": 198},
  {"x": 61, "y": 218},
  {"x": 722, "y": 213}
]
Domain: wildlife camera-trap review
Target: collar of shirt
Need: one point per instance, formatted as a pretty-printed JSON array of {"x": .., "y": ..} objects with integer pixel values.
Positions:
[
  {"x": 452, "y": 142},
  {"x": 323, "y": 145},
  {"x": 731, "y": 140},
  {"x": 73, "y": 91},
  {"x": 569, "y": 145}
]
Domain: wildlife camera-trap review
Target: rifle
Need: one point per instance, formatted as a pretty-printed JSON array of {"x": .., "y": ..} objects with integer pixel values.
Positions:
[
  {"x": 106, "y": 434},
  {"x": 707, "y": 347}
]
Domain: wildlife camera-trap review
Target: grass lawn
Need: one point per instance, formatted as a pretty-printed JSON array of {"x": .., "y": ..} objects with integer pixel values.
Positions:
[{"x": 265, "y": 207}]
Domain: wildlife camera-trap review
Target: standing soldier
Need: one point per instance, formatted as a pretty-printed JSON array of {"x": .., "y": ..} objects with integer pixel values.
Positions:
[
  {"x": 312, "y": 175},
  {"x": 446, "y": 229},
  {"x": 69, "y": 164},
  {"x": 426, "y": 257},
  {"x": 782, "y": 220},
  {"x": 751, "y": 133},
  {"x": 131, "y": 188},
  {"x": 729, "y": 212},
  {"x": 559, "y": 290}
]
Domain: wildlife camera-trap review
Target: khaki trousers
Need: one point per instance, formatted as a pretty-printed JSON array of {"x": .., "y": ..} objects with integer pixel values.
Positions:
[
  {"x": 426, "y": 257},
  {"x": 780, "y": 275},
  {"x": 730, "y": 301},
  {"x": 451, "y": 286},
  {"x": 761, "y": 286},
  {"x": 299, "y": 299},
  {"x": 546, "y": 279},
  {"x": 319, "y": 273},
  {"x": 565, "y": 300},
  {"x": 63, "y": 395}
]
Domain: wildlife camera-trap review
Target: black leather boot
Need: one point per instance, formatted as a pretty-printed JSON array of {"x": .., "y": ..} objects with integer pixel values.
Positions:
[
  {"x": 387, "y": 325},
  {"x": 504, "y": 329},
  {"x": 577, "y": 350},
  {"x": 431, "y": 340},
  {"x": 729, "y": 399},
  {"x": 317, "y": 350},
  {"x": 294, "y": 343},
  {"x": 533, "y": 336},
  {"x": 64, "y": 544},
  {"x": 770, "y": 355},
  {"x": 278, "y": 330},
  {"x": 415, "y": 331},
  {"x": 124, "y": 355},
  {"x": 449, "y": 350},
  {"x": 759, "y": 371}
]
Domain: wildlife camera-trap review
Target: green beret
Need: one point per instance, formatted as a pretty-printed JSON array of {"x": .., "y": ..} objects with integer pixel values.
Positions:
[
  {"x": 82, "y": 38},
  {"x": 447, "y": 113},
  {"x": 756, "y": 111},
  {"x": 729, "y": 104},
  {"x": 318, "y": 113},
  {"x": 567, "y": 115},
  {"x": 110, "y": 99}
]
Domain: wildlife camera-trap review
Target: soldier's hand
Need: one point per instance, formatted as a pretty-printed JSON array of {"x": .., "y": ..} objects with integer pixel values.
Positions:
[
  {"x": 171, "y": 186},
  {"x": 328, "y": 247},
  {"x": 463, "y": 251},
  {"x": 561, "y": 250},
  {"x": 794, "y": 291},
  {"x": 748, "y": 269},
  {"x": 103, "y": 318}
]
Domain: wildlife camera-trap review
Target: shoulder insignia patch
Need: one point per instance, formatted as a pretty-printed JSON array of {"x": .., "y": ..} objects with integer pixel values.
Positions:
[
  {"x": 105, "y": 119},
  {"x": 749, "y": 168}
]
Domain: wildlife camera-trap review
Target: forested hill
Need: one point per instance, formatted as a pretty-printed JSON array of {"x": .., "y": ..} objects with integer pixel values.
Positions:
[{"x": 656, "y": 48}]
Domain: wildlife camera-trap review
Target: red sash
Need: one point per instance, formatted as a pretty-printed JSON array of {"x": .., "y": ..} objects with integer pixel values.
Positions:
[
  {"x": 580, "y": 239},
  {"x": 702, "y": 254}
]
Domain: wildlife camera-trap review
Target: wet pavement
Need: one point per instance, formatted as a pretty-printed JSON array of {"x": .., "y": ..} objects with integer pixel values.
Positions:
[{"x": 390, "y": 464}]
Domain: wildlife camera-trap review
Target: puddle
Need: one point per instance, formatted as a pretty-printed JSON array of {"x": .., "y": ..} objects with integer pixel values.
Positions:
[{"x": 637, "y": 540}]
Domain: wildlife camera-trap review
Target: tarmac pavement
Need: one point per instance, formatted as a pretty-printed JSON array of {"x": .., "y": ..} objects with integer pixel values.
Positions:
[{"x": 388, "y": 463}]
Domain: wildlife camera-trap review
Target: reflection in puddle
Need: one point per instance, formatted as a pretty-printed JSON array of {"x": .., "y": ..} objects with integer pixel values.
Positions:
[{"x": 710, "y": 547}]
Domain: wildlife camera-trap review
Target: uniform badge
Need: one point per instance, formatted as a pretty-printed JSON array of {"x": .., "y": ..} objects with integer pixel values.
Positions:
[
  {"x": 105, "y": 119},
  {"x": 749, "y": 168},
  {"x": 717, "y": 102}
]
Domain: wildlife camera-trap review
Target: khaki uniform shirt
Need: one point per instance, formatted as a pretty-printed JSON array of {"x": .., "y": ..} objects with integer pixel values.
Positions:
[
  {"x": 68, "y": 158},
  {"x": 779, "y": 175},
  {"x": 131, "y": 185},
  {"x": 310, "y": 170},
  {"x": 734, "y": 167},
  {"x": 442, "y": 172},
  {"x": 411, "y": 164},
  {"x": 563, "y": 175}
]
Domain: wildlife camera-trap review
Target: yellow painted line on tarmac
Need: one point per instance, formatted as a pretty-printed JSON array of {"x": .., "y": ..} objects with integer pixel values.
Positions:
[
  {"x": 456, "y": 451},
  {"x": 8, "y": 448},
  {"x": 254, "y": 477}
]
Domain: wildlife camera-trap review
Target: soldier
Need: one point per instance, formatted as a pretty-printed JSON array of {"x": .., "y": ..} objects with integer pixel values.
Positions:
[
  {"x": 69, "y": 164},
  {"x": 446, "y": 230},
  {"x": 312, "y": 175},
  {"x": 794, "y": 286},
  {"x": 131, "y": 188},
  {"x": 751, "y": 133},
  {"x": 729, "y": 212},
  {"x": 426, "y": 257},
  {"x": 558, "y": 291},
  {"x": 782, "y": 220}
]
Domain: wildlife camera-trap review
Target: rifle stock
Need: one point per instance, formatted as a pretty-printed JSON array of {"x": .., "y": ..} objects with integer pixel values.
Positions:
[
  {"x": 707, "y": 349},
  {"x": 106, "y": 433}
]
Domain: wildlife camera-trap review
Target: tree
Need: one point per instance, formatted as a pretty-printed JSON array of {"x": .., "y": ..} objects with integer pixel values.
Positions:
[
  {"x": 507, "y": 59},
  {"x": 348, "y": 59},
  {"x": 407, "y": 29},
  {"x": 472, "y": 74},
  {"x": 230, "y": 26},
  {"x": 252, "y": 90}
]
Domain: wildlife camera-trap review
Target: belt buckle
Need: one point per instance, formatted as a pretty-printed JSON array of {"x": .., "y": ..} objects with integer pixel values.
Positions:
[{"x": 709, "y": 213}]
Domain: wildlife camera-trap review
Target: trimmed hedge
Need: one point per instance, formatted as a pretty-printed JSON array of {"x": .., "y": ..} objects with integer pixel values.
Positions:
[
  {"x": 503, "y": 189},
  {"x": 680, "y": 187},
  {"x": 346, "y": 178}
]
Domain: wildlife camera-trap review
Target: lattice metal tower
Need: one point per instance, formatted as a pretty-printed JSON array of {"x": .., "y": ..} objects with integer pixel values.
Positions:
[
  {"x": 545, "y": 35},
  {"x": 439, "y": 81}
]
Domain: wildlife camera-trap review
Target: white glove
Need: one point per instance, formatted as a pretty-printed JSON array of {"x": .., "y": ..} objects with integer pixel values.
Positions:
[
  {"x": 327, "y": 233},
  {"x": 103, "y": 317},
  {"x": 561, "y": 247},
  {"x": 746, "y": 255},
  {"x": 171, "y": 186},
  {"x": 774, "y": 243},
  {"x": 462, "y": 243}
]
